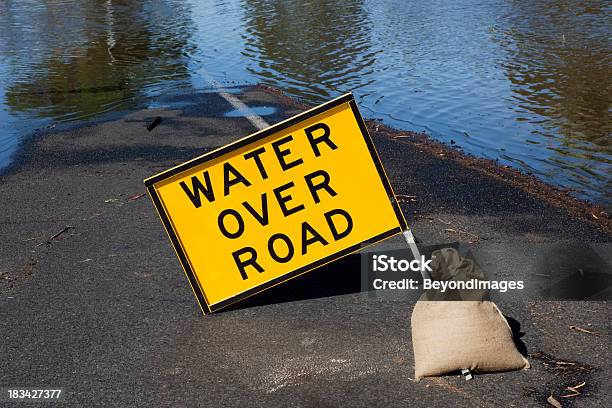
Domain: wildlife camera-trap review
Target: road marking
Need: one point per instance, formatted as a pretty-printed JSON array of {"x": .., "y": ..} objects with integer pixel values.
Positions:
[{"x": 236, "y": 103}]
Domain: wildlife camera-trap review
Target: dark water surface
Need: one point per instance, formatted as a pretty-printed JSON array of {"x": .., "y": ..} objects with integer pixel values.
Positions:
[{"x": 525, "y": 81}]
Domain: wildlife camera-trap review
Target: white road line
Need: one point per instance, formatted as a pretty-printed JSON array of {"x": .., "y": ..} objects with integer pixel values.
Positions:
[
  {"x": 251, "y": 116},
  {"x": 248, "y": 113}
]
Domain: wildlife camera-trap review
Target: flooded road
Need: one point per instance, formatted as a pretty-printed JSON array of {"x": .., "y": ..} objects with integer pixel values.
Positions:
[{"x": 526, "y": 82}]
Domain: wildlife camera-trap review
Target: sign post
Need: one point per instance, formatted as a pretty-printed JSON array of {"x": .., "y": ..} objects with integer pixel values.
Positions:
[{"x": 276, "y": 204}]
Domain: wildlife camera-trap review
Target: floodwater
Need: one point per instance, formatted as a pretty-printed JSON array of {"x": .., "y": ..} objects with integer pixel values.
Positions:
[{"x": 526, "y": 82}]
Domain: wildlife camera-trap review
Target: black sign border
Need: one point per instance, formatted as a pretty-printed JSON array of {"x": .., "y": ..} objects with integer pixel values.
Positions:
[{"x": 195, "y": 286}]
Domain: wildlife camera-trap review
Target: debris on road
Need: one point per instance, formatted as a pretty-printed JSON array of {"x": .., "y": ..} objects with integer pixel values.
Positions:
[
  {"x": 581, "y": 330},
  {"x": 29, "y": 267},
  {"x": 574, "y": 390},
  {"x": 553, "y": 401},
  {"x": 474, "y": 238},
  {"x": 136, "y": 197},
  {"x": 153, "y": 124},
  {"x": 406, "y": 198},
  {"x": 56, "y": 235},
  {"x": 66, "y": 228},
  {"x": 552, "y": 363},
  {"x": 566, "y": 372},
  {"x": 466, "y": 374},
  {"x": 32, "y": 239}
]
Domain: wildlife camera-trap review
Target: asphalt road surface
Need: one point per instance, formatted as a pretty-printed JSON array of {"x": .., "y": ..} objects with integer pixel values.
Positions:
[{"x": 103, "y": 309}]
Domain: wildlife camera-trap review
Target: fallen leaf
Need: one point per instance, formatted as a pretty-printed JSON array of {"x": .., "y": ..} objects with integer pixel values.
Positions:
[
  {"x": 552, "y": 401},
  {"x": 594, "y": 216}
]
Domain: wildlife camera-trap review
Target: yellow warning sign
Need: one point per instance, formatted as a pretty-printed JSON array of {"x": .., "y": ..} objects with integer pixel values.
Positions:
[{"x": 276, "y": 204}]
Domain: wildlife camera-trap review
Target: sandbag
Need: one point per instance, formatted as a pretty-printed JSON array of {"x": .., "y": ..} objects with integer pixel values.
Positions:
[{"x": 449, "y": 335}]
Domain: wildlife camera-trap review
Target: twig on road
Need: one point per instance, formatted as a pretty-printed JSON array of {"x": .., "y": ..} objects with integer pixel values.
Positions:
[
  {"x": 136, "y": 197},
  {"x": 54, "y": 236},
  {"x": 581, "y": 330}
]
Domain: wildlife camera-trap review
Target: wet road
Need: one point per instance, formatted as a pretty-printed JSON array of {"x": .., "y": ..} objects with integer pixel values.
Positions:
[{"x": 104, "y": 311}]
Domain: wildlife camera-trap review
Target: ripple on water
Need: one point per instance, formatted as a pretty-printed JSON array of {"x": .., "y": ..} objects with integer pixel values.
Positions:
[{"x": 527, "y": 80}]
